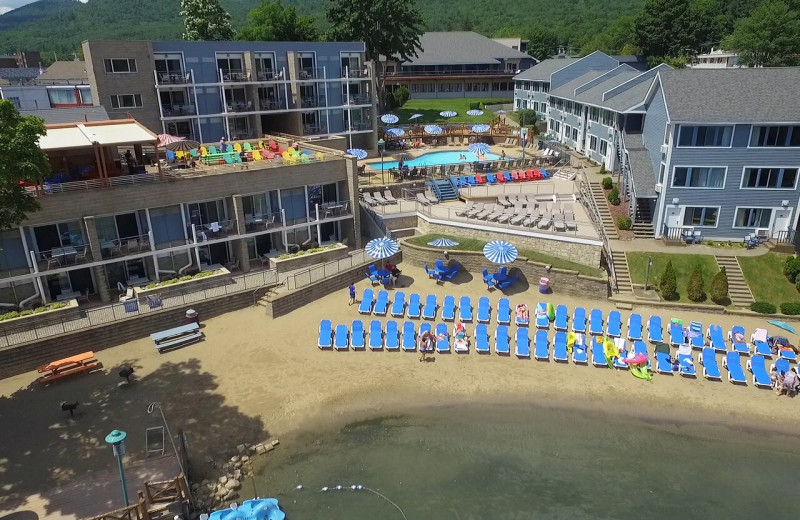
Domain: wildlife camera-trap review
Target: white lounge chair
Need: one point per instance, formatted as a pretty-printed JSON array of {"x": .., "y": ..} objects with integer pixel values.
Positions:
[{"x": 388, "y": 197}]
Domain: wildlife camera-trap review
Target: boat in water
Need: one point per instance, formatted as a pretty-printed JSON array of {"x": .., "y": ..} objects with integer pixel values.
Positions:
[{"x": 258, "y": 509}]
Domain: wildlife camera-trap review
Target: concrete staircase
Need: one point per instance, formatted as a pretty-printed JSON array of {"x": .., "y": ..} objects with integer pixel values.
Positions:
[
  {"x": 643, "y": 222},
  {"x": 443, "y": 189},
  {"x": 738, "y": 290},
  {"x": 599, "y": 196},
  {"x": 620, "y": 262}
]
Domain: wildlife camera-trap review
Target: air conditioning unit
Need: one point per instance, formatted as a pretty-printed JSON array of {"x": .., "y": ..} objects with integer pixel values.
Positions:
[
  {"x": 659, "y": 187},
  {"x": 762, "y": 234},
  {"x": 664, "y": 149}
]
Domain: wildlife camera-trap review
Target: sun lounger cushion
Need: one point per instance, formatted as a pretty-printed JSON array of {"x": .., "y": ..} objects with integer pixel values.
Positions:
[
  {"x": 733, "y": 362},
  {"x": 614, "y": 324},
  {"x": 429, "y": 311},
  {"x": 381, "y": 304},
  {"x": 716, "y": 339},
  {"x": 579, "y": 320},
  {"x": 738, "y": 346},
  {"x": 484, "y": 310},
  {"x": 663, "y": 363},
  {"x": 635, "y": 327},
  {"x": 686, "y": 364},
  {"x": 365, "y": 307},
  {"x": 654, "y": 329},
  {"x": 503, "y": 311},
  {"x": 758, "y": 366},
  {"x": 357, "y": 335},
  {"x": 325, "y": 339},
  {"x": 465, "y": 309},
  {"x": 598, "y": 354},
  {"x": 561, "y": 318},
  {"x": 341, "y": 340},
  {"x": 709, "y": 360},
  {"x": 392, "y": 336},
  {"x": 449, "y": 308},
  {"x": 442, "y": 338},
  {"x": 523, "y": 344},
  {"x": 579, "y": 354},
  {"x": 399, "y": 304},
  {"x": 414, "y": 306},
  {"x": 676, "y": 336},
  {"x": 481, "y": 339},
  {"x": 409, "y": 337},
  {"x": 542, "y": 321},
  {"x": 501, "y": 340},
  {"x": 541, "y": 345},
  {"x": 596, "y": 322},
  {"x": 375, "y": 335},
  {"x": 560, "y": 346}
]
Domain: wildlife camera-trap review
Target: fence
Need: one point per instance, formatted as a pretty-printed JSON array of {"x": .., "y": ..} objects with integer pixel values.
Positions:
[
  {"x": 587, "y": 199},
  {"x": 318, "y": 273},
  {"x": 376, "y": 227}
]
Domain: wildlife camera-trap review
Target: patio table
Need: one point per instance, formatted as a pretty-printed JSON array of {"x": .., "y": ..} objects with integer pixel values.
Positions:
[
  {"x": 67, "y": 295},
  {"x": 63, "y": 252}
]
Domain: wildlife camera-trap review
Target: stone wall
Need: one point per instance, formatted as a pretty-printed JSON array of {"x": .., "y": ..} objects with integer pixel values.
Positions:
[
  {"x": 561, "y": 281},
  {"x": 308, "y": 260},
  {"x": 393, "y": 223}
]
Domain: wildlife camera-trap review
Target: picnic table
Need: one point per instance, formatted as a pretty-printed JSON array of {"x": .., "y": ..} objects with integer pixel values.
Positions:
[
  {"x": 176, "y": 336},
  {"x": 67, "y": 366},
  {"x": 218, "y": 158}
]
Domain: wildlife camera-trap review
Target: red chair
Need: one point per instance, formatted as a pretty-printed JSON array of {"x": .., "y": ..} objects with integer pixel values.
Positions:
[
  {"x": 537, "y": 174},
  {"x": 518, "y": 175},
  {"x": 500, "y": 177},
  {"x": 480, "y": 178},
  {"x": 529, "y": 175}
]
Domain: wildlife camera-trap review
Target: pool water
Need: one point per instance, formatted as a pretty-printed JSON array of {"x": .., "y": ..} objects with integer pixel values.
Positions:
[{"x": 437, "y": 158}]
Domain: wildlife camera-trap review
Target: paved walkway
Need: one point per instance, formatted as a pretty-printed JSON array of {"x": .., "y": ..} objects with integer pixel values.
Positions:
[{"x": 658, "y": 246}]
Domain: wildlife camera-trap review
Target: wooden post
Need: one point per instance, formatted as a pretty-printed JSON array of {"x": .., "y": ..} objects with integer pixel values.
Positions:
[{"x": 141, "y": 506}]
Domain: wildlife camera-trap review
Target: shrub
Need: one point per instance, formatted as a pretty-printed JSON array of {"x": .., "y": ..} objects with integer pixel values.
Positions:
[
  {"x": 607, "y": 183},
  {"x": 695, "y": 290},
  {"x": 668, "y": 286},
  {"x": 791, "y": 268},
  {"x": 9, "y": 315},
  {"x": 763, "y": 308},
  {"x": 401, "y": 95},
  {"x": 624, "y": 223},
  {"x": 613, "y": 196},
  {"x": 26, "y": 312},
  {"x": 602, "y": 169},
  {"x": 719, "y": 288},
  {"x": 797, "y": 285},
  {"x": 790, "y": 308}
]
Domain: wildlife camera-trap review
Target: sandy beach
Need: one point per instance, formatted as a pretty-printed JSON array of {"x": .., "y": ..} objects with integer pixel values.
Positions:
[{"x": 253, "y": 379}]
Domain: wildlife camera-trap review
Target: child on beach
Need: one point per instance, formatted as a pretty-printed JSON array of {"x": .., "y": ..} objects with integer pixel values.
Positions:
[{"x": 352, "y": 289}]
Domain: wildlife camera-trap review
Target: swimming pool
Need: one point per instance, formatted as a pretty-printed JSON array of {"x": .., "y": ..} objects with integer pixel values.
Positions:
[{"x": 436, "y": 158}]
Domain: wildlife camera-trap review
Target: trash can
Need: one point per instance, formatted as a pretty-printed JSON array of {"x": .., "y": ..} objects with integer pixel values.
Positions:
[
  {"x": 192, "y": 316},
  {"x": 544, "y": 285}
]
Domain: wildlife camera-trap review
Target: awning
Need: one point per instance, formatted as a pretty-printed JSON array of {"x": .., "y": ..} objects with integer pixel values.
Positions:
[
  {"x": 63, "y": 138},
  {"x": 103, "y": 133}
]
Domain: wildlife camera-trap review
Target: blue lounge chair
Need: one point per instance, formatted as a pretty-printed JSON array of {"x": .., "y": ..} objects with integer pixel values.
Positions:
[
  {"x": 686, "y": 364},
  {"x": 716, "y": 339},
  {"x": 523, "y": 343},
  {"x": 381, "y": 304},
  {"x": 560, "y": 346},
  {"x": 780, "y": 365},
  {"x": 579, "y": 320},
  {"x": 372, "y": 274},
  {"x": 488, "y": 279},
  {"x": 676, "y": 336},
  {"x": 579, "y": 354},
  {"x": 442, "y": 338},
  {"x": 598, "y": 355},
  {"x": 760, "y": 346},
  {"x": 409, "y": 337},
  {"x": 757, "y": 364},
  {"x": 484, "y": 310},
  {"x": 449, "y": 309},
  {"x": 472, "y": 181},
  {"x": 501, "y": 340},
  {"x": 465, "y": 309},
  {"x": 708, "y": 359},
  {"x": 663, "y": 363},
  {"x": 325, "y": 339},
  {"x": 341, "y": 340},
  {"x": 449, "y": 275},
  {"x": 481, "y": 339},
  {"x": 414, "y": 306},
  {"x": 542, "y": 321},
  {"x": 596, "y": 322},
  {"x": 503, "y": 312},
  {"x": 357, "y": 335},
  {"x": 365, "y": 307},
  {"x": 429, "y": 311},
  {"x": 508, "y": 282},
  {"x": 423, "y": 328},
  {"x": 541, "y": 345},
  {"x": 697, "y": 341},
  {"x": 738, "y": 346},
  {"x": 491, "y": 179},
  {"x": 733, "y": 362},
  {"x": 561, "y": 318},
  {"x": 639, "y": 347},
  {"x": 655, "y": 331},
  {"x": 619, "y": 364},
  {"x": 375, "y": 335},
  {"x": 392, "y": 336},
  {"x": 614, "y": 324},
  {"x": 635, "y": 327},
  {"x": 787, "y": 354},
  {"x": 399, "y": 304}
]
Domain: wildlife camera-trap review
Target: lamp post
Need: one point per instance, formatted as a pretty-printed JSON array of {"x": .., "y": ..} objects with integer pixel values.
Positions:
[
  {"x": 117, "y": 441},
  {"x": 647, "y": 275},
  {"x": 381, "y": 148}
]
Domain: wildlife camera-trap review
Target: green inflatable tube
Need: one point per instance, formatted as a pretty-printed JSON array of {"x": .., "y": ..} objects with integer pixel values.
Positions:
[
  {"x": 551, "y": 312},
  {"x": 641, "y": 372}
]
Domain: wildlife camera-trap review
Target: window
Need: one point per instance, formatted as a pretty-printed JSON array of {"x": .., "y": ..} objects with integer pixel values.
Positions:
[
  {"x": 63, "y": 96},
  {"x": 567, "y": 131},
  {"x": 603, "y": 147},
  {"x": 777, "y": 178},
  {"x": 594, "y": 114},
  {"x": 752, "y": 217},
  {"x": 593, "y": 143},
  {"x": 126, "y": 101},
  {"x": 351, "y": 63},
  {"x": 86, "y": 95},
  {"x": 120, "y": 65},
  {"x": 693, "y": 216},
  {"x": 697, "y": 177},
  {"x": 575, "y": 134},
  {"x": 775, "y": 136},
  {"x": 169, "y": 67},
  {"x": 449, "y": 87},
  {"x": 705, "y": 136}
]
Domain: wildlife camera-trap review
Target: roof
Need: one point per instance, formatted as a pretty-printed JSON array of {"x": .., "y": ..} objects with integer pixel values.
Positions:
[
  {"x": 630, "y": 98},
  {"x": 594, "y": 95},
  {"x": 732, "y": 95},
  {"x": 53, "y": 116},
  {"x": 461, "y": 48},
  {"x": 542, "y": 70},
  {"x": 15, "y": 75},
  {"x": 64, "y": 70},
  {"x": 567, "y": 90},
  {"x": 644, "y": 182},
  {"x": 103, "y": 133}
]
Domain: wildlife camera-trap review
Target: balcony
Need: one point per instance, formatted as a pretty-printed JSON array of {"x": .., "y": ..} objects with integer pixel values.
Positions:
[
  {"x": 314, "y": 102},
  {"x": 356, "y": 73},
  {"x": 240, "y": 106},
  {"x": 172, "y": 78},
  {"x": 276, "y": 103},
  {"x": 356, "y": 126},
  {"x": 314, "y": 129},
  {"x": 124, "y": 246},
  {"x": 234, "y": 75},
  {"x": 309, "y": 73},
  {"x": 449, "y": 73},
  {"x": 269, "y": 75},
  {"x": 363, "y": 99},
  {"x": 179, "y": 110},
  {"x": 66, "y": 256},
  {"x": 214, "y": 230}
]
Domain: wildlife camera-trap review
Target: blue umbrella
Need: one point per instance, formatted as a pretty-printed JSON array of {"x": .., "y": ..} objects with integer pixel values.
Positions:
[
  {"x": 389, "y": 119},
  {"x": 383, "y": 247},
  {"x": 448, "y": 113},
  {"x": 433, "y": 129},
  {"x": 500, "y": 252},
  {"x": 358, "y": 153},
  {"x": 784, "y": 326},
  {"x": 474, "y": 112},
  {"x": 500, "y": 112},
  {"x": 442, "y": 242},
  {"x": 479, "y": 129},
  {"x": 415, "y": 116},
  {"x": 395, "y": 132},
  {"x": 478, "y": 148}
]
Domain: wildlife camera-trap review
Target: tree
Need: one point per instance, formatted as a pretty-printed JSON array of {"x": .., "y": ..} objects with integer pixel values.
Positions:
[
  {"x": 668, "y": 286},
  {"x": 524, "y": 116},
  {"x": 389, "y": 28},
  {"x": 719, "y": 288},
  {"x": 401, "y": 95},
  {"x": 695, "y": 290},
  {"x": 205, "y": 20},
  {"x": 21, "y": 159},
  {"x": 272, "y": 22},
  {"x": 666, "y": 28},
  {"x": 542, "y": 43},
  {"x": 613, "y": 39},
  {"x": 769, "y": 37}
]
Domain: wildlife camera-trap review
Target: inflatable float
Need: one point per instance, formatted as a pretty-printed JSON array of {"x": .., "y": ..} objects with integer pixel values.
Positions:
[
  {"x": 611, "y": 351},
  {"x": 258, "y": 509},
  {"x": 638, "y": 359},
  {"x": 641, "y": 372},
  {"x": 551, "y": 312}
]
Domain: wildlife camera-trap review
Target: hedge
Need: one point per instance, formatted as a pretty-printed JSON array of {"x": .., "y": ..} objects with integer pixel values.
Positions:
[
  {"x": 763, "y": 308},
  {"x": 790, "y": 308}
]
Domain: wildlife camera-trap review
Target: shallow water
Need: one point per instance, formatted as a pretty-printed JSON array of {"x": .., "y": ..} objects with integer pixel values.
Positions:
[
  {"x": 436, "y": 158},
  {"x": 515, "y": 462}
]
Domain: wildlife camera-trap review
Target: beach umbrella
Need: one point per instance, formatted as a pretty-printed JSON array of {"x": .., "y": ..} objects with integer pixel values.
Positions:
[
  {"x": 500, "y": 112},
  {"x": 383, "y": 247},
  {"x": 782, "y": 325},
  {"x": 358, "y": 153},
  {"x": 479, "y": 129},
  {"x": 182, "y": 146},
  {"x": 404, "y": 156},
  {"x": 478, "y": 148},
  {"x": 165, "y": 139},
  {"x": 442, "y": 242},
  {"x": 447, "y": 114},
  {"x": 389, "y": 119},
  {"x": 474, "y": 112},
  {"x": 415, "y": 116},
  {"x": 433, "y": 129},
  {"x": 395, "y": 132},
  {"x": 500, "y": 252}
]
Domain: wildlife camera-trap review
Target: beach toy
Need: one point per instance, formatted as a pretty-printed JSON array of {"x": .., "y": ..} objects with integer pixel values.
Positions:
[
  {"x": 551, "y": 312},
  {"x": 638, "y": 359},
  {"x": 641, "y": 372},
  {"x": 259, "y": 509},
  {"x": 571, "y": 338},
  {"x": 610, "y": 350}
]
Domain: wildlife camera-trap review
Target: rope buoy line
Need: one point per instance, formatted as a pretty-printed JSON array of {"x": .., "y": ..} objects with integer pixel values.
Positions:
[{"x": 359, "y": 487}]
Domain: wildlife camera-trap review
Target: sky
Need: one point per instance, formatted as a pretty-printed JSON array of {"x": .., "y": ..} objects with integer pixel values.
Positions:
[{"x": 8, "y": 5}]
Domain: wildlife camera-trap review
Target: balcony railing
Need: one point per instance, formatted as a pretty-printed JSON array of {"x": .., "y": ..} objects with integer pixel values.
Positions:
[
  {"x": 213, "y": 230},
  {"x": 63, "y": 256},
  {"x": 335, "y": 209},
  {"x": 277, "y": 103},
  {"x": 124, "y": 246},
  {"x": 311, "y": 73},
  {"x": 358, "y": 100},
  {"x": 356, "y": 73},
  {"x": 358, "y": 125},
  {"x": 269, "y": 75},
  {"x": 315, "y": 129},
  {"x": 179, "y": 110},
  {"x": 240, "y": 106},
  {"x": 173, "y": 78},
  {"x": 254, "y": 222},
  {"x": 475, "y": 72},
  {"x": 234, "y": 75},
  {"x": 313, "y": 102}
]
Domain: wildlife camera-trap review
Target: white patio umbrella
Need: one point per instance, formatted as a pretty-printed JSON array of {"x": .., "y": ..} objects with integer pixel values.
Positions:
[
  {"x": 500, "y": 252},
  {"x": 381, "y": 248}
]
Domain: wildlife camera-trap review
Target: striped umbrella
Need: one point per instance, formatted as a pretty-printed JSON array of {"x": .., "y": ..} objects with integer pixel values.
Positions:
[
  {"x": 474, "y": 112},
  {"x": 395, "y": 132},
  {"x": 165, "y": 139},
  {"x": 433, "y": 129},
  {"x": 448, "y": 114},
  {"x": 358, "y": 153},
  {"x": 478, "y": 148},
  {"x": 389, "y": 119},
  {"x": 383, "y": 247},
  {"x": 442, "y": 242},
  {"x": 415, "y": 116},
  {"x": 500, "y": 252},
  {"x": 500, "y": 112},
  {"x": 182, "y": 146},
  {"x": 479, "y": 129}
]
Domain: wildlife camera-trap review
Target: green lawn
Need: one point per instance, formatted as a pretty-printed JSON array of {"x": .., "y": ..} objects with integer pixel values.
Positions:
[
  {"x": 430, "y": 108},
  {"x": 470, "y": 244},
  {"x": 764, "y": 275},
  {"x": 683, "y": 265}
]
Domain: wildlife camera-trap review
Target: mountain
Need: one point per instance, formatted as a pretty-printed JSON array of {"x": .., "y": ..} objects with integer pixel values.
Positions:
[{"x": 60, "y": 25}]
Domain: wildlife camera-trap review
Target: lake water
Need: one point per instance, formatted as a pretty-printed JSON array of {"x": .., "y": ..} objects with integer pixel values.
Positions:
[
  {"x": 525, "y": 462},
  {"x": 437, "y": 158}
]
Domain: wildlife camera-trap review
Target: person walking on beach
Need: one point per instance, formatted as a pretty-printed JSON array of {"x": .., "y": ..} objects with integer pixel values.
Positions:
[{"x": 352, "y": 289}]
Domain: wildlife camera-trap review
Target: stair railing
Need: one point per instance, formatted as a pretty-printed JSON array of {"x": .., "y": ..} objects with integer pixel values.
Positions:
[{"x": 588, "y": 201}]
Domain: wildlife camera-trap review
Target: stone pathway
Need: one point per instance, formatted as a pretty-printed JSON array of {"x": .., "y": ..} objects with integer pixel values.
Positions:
[{"x": 738, "y": 290}]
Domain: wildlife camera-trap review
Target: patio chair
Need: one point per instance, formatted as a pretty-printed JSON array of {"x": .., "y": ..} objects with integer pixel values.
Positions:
[
  {"x": 422, "y": 200},
  {"x": 53, "y": 262},
  {"x": 81, "y": 256},
  {"x": 379, "y": 198},
  {"x": 367, "y": 196},
  {"x": 388, "y": 197}
]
